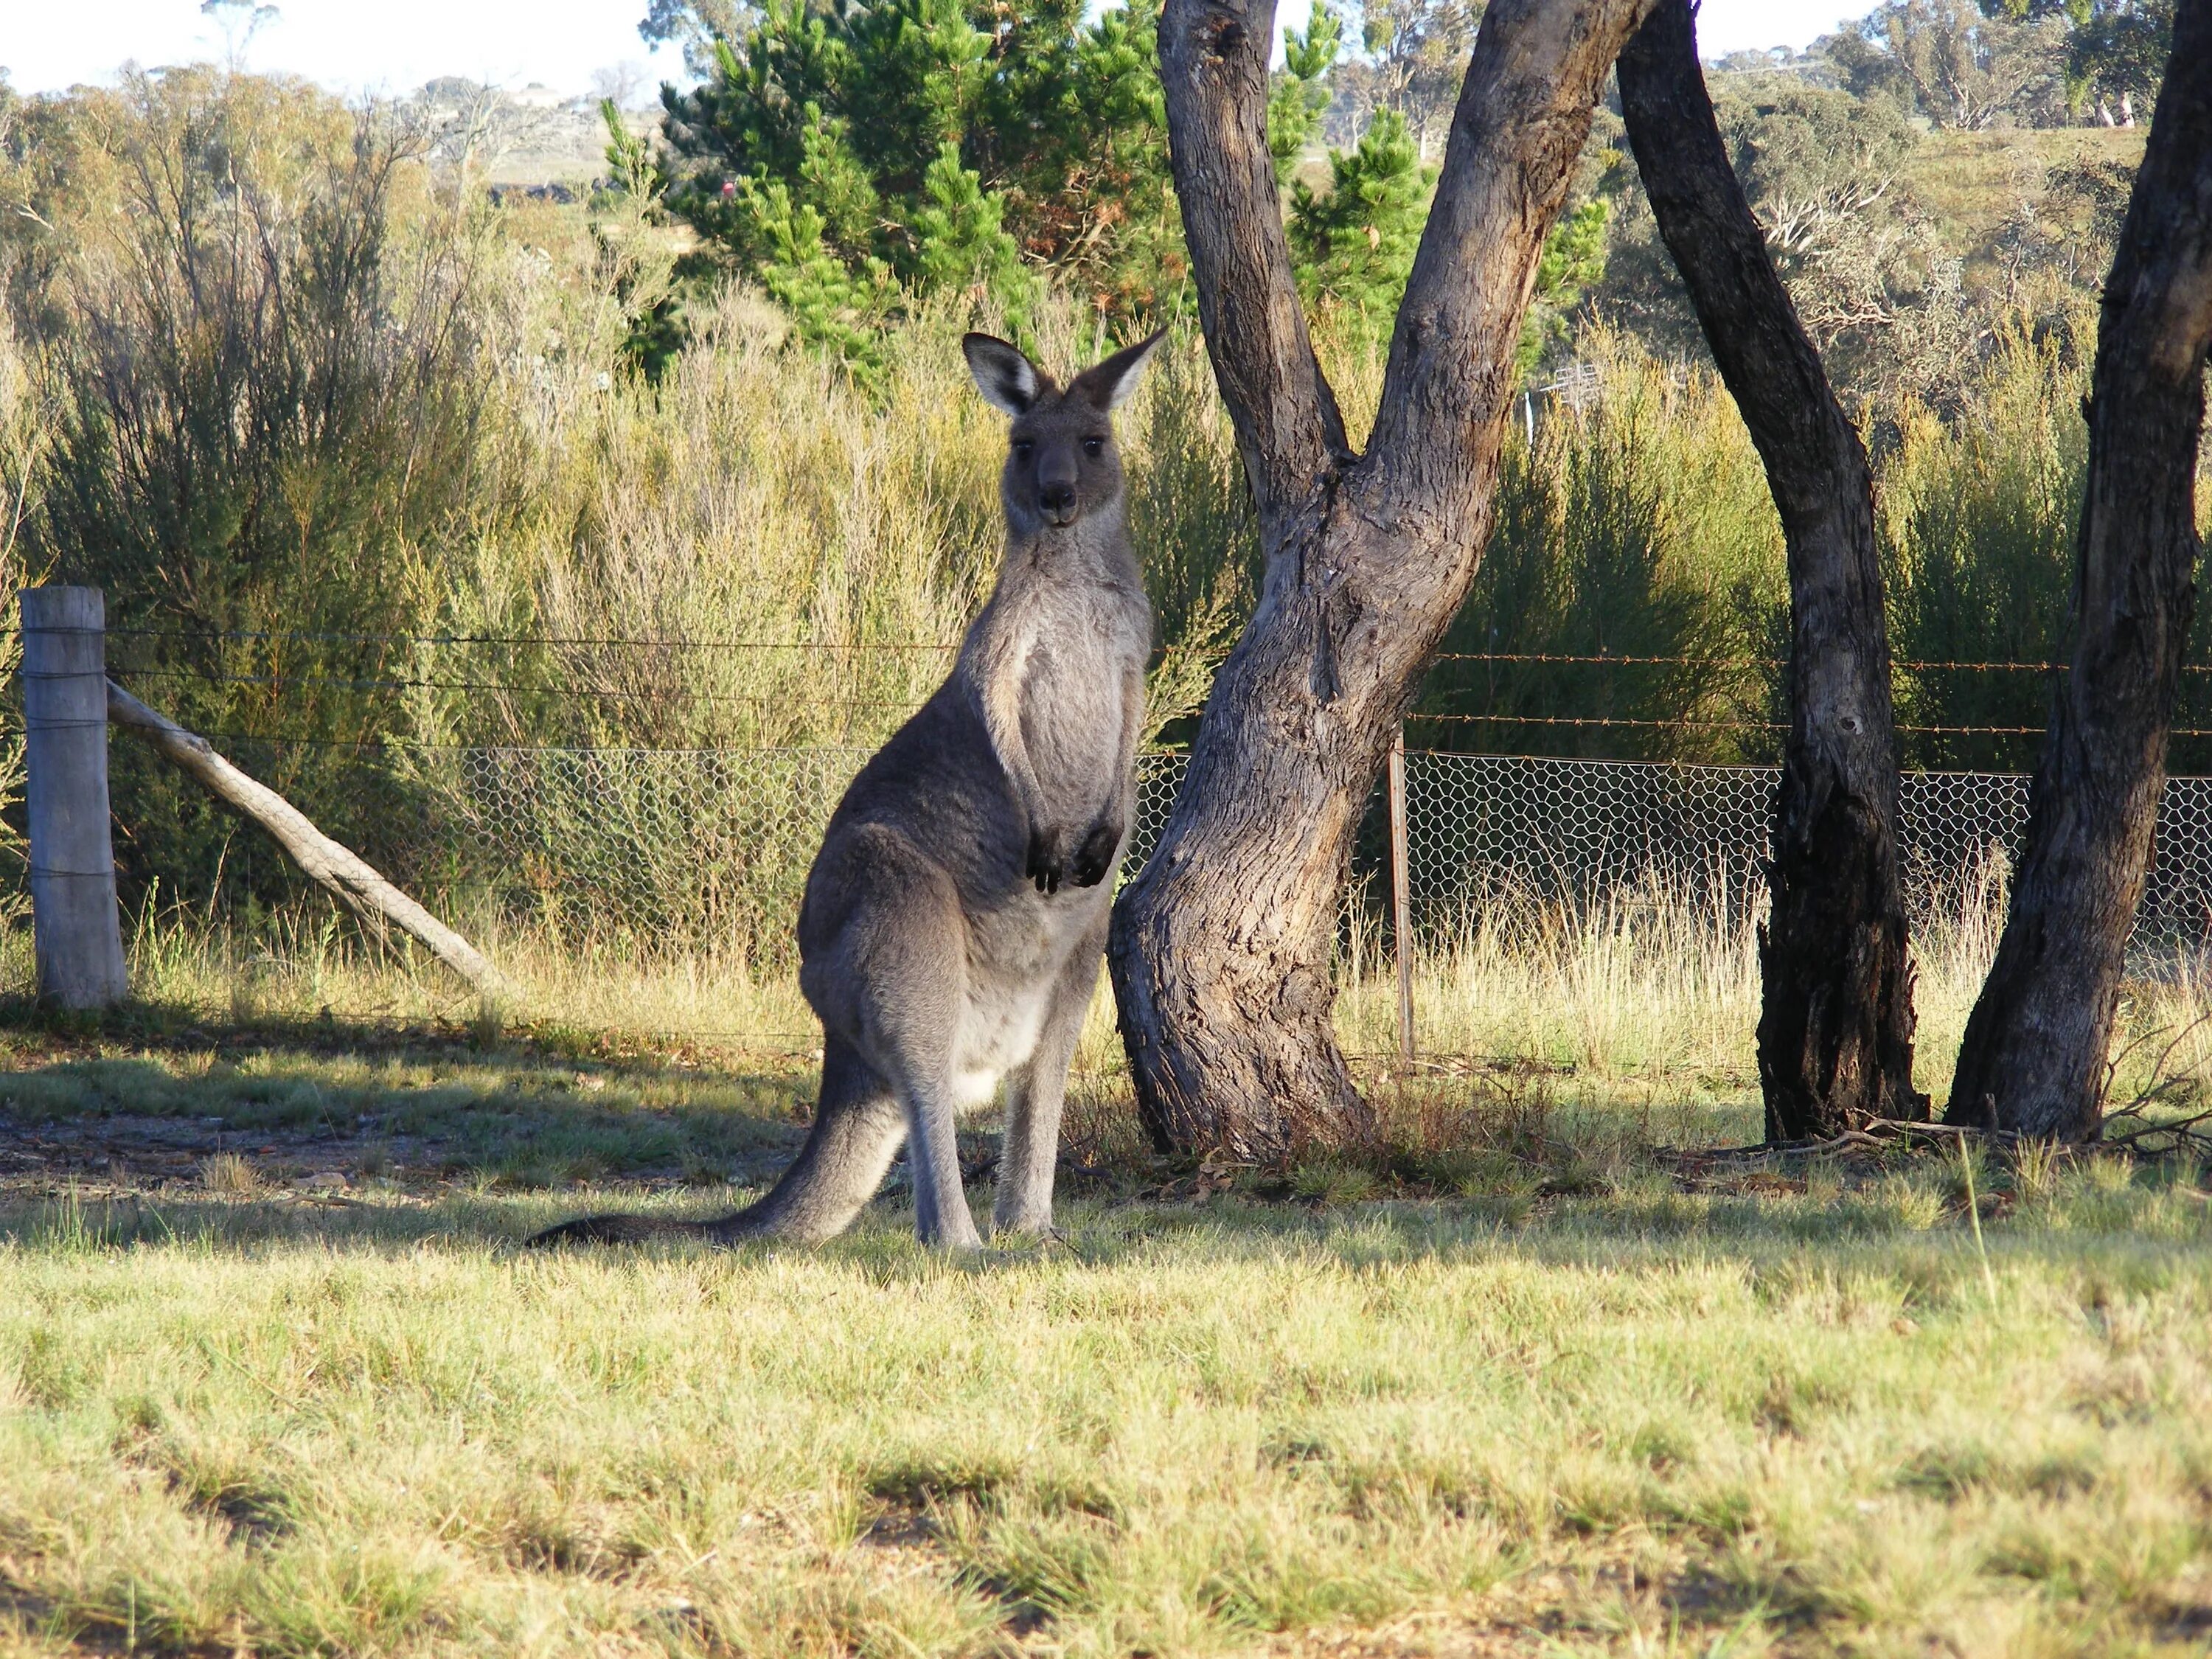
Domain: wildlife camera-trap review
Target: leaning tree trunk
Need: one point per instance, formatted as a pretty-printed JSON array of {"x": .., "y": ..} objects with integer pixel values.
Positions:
[
  {"x": 1220, "y": 948},
  {"x": 2034, "y": 1055},
  {"x": 1835, "y": 1031}
]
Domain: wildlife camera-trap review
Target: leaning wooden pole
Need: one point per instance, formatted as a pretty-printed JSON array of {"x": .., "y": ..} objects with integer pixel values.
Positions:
[{"x": 343, "y": 871}]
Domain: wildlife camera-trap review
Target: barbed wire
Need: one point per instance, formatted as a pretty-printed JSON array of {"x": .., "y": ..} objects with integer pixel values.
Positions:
[
  {"x": 616, "y": 642},
  {"x": 579, "y": 693},
  {"x": 580, "y": 641},
  {"x": 1601, "y": 720}
]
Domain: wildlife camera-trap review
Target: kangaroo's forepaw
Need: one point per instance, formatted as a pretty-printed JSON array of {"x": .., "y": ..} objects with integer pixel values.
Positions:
[
  {"x": 1094, "y": 859},
  {"x": 1047, "y": 859}
]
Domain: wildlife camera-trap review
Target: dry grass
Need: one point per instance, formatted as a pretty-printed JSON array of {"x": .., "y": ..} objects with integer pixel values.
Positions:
[
  {"x": 1638, "y": 993},
  {"x": 1570, "y": 1404},
  {"x": 1513, "y": 1382},
  {"x": 229, "y": 1175}
]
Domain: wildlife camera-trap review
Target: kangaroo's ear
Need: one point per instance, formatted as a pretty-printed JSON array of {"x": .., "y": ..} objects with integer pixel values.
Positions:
[
  {"x": 1007, "y": 379},
  {"x": 1108, "y": 384}
]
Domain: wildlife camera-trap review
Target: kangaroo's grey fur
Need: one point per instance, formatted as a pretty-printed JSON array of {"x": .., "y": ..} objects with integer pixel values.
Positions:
[{"x": 955, "y": 918}]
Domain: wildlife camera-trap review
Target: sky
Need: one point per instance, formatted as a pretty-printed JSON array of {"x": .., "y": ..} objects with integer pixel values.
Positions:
[{"x": 394, "y": 45}]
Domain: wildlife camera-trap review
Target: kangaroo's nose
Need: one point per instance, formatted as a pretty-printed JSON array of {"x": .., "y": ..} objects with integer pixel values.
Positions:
[{"x": 1057, "y": 495}]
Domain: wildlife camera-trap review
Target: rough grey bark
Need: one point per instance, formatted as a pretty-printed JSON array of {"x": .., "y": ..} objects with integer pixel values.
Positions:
[
  {"x": 1220, "y": 948},
  {"x": 2034, "y": 1055},
  {"x": 1835, "y": 1028}
]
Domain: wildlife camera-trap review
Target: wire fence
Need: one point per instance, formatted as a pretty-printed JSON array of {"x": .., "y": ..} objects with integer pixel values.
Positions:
[{"x": 688, "y": 848}]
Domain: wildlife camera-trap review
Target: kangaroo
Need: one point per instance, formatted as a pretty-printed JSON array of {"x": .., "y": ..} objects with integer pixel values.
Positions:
[{"x": 955, "y": 919}]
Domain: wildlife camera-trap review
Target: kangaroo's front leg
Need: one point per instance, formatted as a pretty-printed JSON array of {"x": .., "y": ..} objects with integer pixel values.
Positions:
[{"x": 1101, "y": 848}]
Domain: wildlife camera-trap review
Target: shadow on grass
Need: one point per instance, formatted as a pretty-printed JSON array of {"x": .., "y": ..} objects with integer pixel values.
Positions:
[
  {"x": 527, "y": 1108},
  {"x": 478, "y": 1143}
]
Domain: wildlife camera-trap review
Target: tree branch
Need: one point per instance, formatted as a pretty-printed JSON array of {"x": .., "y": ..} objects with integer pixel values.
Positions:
[
  {"x": 1811, "y": 452},
  {"x": 1213, "y": 65},
  {"x": 1523, "y": 116}
]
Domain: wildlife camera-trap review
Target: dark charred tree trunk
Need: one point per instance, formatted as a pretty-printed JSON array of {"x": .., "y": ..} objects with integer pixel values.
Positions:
[
  {"x": 1221, "y": 947},
  {"x": 2034, "y": 1055},
  {"x": 1835, "y": 1030}
]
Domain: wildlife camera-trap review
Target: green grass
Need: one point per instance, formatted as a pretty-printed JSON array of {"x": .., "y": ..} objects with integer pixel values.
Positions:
[{"x": 1517, "y": 1382}]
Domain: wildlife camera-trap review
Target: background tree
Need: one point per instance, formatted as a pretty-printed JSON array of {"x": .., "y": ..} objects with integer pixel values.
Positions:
[
  {"x": 1221, "y": 945},
  {"x": 2035, "y": 1050},
  {"x": 852, "y": 157},
  {"x": 1413, "y": 55},
  {"x": 1835, "y": 1020},
  {"x": 1351, "y": 246},
  {"x": 1958, "y": 63}
]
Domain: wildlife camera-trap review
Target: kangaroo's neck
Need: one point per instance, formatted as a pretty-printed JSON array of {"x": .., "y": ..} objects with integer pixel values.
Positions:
[{"x": 1094, "y": 551}]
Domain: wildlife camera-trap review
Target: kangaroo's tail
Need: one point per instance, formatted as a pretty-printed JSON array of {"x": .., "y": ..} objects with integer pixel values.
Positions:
[
  {"x": 857, "y": 1128},
  {"x": 624, "y": 1229}
]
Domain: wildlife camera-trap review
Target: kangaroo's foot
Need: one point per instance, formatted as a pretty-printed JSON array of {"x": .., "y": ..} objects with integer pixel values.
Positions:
[{"x": 955, "y": 1232}]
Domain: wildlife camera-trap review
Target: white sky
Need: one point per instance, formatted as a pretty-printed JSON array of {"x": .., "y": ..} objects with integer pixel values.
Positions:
[{"x": 392, "y": 45}]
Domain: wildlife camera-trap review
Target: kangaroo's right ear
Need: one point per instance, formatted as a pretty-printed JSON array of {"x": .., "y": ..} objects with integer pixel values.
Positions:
[{"x": 1007, "y": 379}]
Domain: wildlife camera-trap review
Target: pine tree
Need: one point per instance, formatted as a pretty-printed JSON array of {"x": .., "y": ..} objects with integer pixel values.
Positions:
[
  {"x": 1353, "y": 248},
  {"x": 1300, "y": 94},
  {"x": 855, "y": 158},
  {"x": 1573, "y": 263}
]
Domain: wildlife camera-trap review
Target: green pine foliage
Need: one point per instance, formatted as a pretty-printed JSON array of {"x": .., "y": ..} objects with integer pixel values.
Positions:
[
  {"x": 963, "y": 243},
  {"x": 834, "y": 303},
  {"x": 1572, "y": 263},
  {"x": 1352, "y": 247},
  {"x": 856, "y": 159},
  {"x": 1301, "y": 93}
]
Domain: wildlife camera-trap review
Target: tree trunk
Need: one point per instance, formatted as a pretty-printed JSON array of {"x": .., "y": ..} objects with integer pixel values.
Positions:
[
  {"x": 1835, "y": 1030},
  {"x": 2035, "y": 1050},
  {"x": 1221, "y": 947}
]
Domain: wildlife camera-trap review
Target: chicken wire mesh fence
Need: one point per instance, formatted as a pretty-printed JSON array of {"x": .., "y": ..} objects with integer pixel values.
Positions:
[{"x": 709, "y": 848}]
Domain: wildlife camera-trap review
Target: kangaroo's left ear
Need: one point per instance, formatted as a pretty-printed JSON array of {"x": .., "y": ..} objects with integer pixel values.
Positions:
[{"x": 1108, "y": 384}]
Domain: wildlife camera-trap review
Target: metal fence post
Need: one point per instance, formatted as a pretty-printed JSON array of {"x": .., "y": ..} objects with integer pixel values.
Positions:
[
  {"x": 76, "y": 933},
  {"x": 1401, "y": 904}
]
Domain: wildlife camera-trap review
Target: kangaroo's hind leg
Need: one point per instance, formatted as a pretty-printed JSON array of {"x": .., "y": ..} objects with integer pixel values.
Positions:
[
  {"x": 1034, "y": 1094},
  {"x": 893, "y": 982},
  {"x": 858, "y": 1126}
]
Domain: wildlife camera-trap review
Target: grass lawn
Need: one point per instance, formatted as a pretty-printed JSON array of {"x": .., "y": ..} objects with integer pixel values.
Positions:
[{"x": 1549, "y": 1390}]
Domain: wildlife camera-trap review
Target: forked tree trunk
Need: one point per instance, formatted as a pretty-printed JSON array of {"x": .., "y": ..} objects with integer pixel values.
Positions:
[
  {"x": 2034, "y": 1055},
  {"x": 1835, "y": 1028},
  {"x": 1221, "y": 947}
]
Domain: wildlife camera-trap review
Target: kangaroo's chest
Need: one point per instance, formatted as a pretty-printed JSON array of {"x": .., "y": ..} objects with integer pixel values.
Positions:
[{"x": 1087, "y": 644}]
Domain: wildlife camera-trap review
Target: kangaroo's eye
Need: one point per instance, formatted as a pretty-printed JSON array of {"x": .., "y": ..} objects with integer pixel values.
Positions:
[
  {"x": 1022, "y": 448},
  {"x": 1092, "y": 446}
]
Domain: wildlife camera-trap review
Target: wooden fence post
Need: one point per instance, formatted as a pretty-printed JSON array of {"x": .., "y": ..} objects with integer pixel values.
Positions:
[
  {"x": 1401, "y": 902},
  {"x": 77, "y": 932}
]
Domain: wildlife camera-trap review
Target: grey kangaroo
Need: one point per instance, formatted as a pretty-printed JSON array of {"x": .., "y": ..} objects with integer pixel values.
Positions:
[{"x": 955, "y": 919}]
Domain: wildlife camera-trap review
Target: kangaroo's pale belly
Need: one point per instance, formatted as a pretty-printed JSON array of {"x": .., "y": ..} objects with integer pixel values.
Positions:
[{"x": 1010, "y": 993}]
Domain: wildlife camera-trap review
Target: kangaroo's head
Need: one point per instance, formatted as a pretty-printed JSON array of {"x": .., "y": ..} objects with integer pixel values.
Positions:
[{"x": 1061, "y": 464}]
